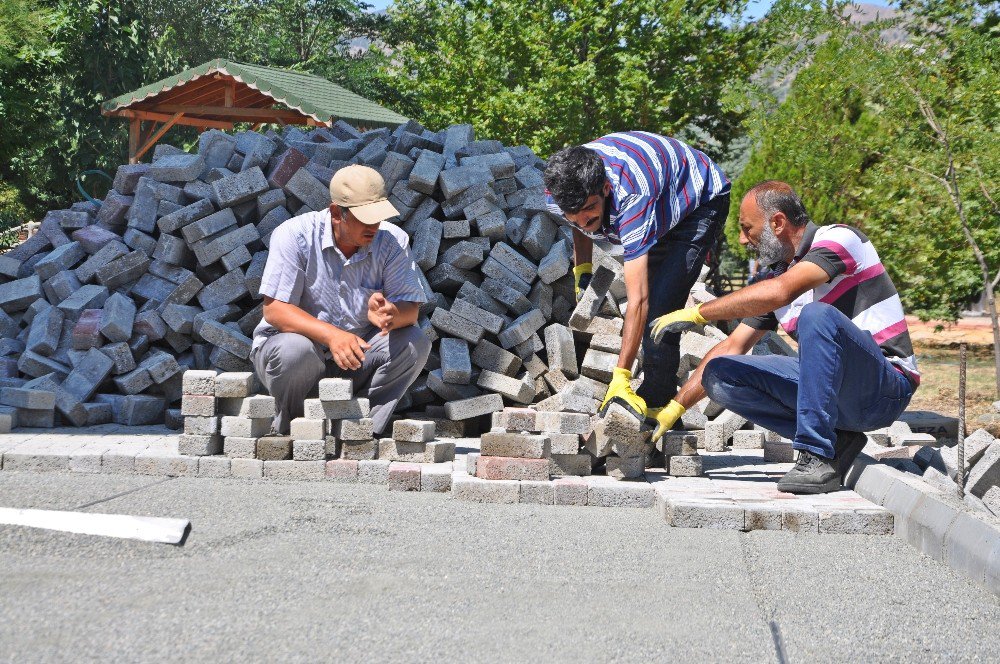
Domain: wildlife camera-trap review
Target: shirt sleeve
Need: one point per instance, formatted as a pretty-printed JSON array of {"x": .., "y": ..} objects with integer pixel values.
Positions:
[
  {"x": 838, "y": 251},
  {"x": 763, "y": 322},
  {"x": 400, "y": 277},
  {"x": 284, "y": 271}
]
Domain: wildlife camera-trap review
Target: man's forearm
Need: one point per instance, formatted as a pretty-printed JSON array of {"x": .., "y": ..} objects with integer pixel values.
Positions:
[
  {"x": 637, "y": 291},
  {"x": 583, "y": 248},
  {"x": 692, "y": 391},
  {"x": 287, "y": 317},
  {"x": 739, "y": 342},
  {"x": 754, "y": 300},
  {"x": 632, "y": 331},
  {"x": 406, "y": 314},
  {"x": 768, "y": 295}
]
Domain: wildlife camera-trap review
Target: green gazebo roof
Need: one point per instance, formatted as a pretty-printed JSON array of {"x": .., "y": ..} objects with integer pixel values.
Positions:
[{"x": 311, "y": 95}]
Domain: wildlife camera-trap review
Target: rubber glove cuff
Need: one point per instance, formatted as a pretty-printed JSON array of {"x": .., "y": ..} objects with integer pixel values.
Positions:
[
  {"x": 581, "y": 277},
  {"x": 667, "y": 418}
]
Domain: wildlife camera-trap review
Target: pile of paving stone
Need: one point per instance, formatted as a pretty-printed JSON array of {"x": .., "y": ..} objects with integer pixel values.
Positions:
[
  {"x": 935, "y": 459},
  {"x": 106, "y": 306}
]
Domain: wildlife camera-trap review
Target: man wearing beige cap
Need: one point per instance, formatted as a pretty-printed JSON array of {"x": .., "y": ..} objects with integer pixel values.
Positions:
[{"x": 341, "y": 296}]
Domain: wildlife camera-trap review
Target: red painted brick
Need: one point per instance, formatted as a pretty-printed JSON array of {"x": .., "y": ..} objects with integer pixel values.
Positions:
[
  {"x": 509, "y": 468},
  {"x": 87, "y": 331},
  {"x": 288, "y": 164},
  {"x": 342, "y": 470},
  {"x": 404, "y": 476}
]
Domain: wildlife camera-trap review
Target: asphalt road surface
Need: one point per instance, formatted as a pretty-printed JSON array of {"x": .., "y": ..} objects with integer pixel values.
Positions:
[{"x": 315, "y": 571}]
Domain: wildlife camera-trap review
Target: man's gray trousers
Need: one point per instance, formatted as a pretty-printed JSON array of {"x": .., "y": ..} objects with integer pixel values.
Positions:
[{"x": 291, "y": 365}]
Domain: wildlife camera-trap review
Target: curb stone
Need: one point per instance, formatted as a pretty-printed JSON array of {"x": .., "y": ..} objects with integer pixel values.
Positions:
[{"x": 936, "y": 524}]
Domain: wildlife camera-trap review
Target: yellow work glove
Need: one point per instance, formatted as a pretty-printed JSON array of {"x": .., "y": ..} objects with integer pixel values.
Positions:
[
  {"x": 620, "y": 391},
  {"x": 582, "y": 274},
  {"x": 681, "y": 320},
  {"x": 666, "y": 418}
]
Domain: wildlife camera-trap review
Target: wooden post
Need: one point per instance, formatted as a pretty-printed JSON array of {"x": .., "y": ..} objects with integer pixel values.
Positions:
[
  {"x": 134, "y": 128},
  {"x": 230, "y": 93},
  {"x": 157, "y": 134}
]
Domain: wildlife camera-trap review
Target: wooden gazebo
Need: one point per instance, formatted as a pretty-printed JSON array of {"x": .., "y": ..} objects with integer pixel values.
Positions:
[{"x": 220, "y": 93}]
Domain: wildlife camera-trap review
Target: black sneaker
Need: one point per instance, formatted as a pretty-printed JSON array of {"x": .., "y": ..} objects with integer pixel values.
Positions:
[
  {"x": 811, "y": 474},
  {"x": 847, "y": 448}
]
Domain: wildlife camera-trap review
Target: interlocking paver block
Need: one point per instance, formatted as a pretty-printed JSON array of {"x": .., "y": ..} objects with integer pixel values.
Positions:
[
  {"x": 245, "y": 427},
  {"x": 240, "y": 187},
  {"x": 521, "y": 445},
  {"x": 415, "y": 431},
  {"x": 239, "y": 447},
  {"x": 404, "y": 476},
  {"x": 274, "y": 448},
  {"x": 199, "y": 382},
  {"x": 295, "y": 470},
  {"x": 608, "y": 492},
  {"x": 507, "y": 468},
  {"x": 456, "y": 365},
  {"x": 342, "y": 470},
  {"x": 474, "y": 489},
  {"x": 569, "y": 491},
  {"x": 686, "y": 466},
  {"x": 336, "y": 410},
  {"x": 195, "y": 445},
  {"x": 308, "y": 450},
  {"x": 247, "y": 468},
  {"x": 335, "y": 389},
  {"x": 353, "y": 429},
  {"x": 373, "y": 472}
]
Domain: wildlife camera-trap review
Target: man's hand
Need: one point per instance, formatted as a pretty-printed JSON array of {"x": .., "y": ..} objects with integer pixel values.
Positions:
[
  {"x": 582, "y": 274},
  {"x": 681, "y": 320},
  {"x": 667, "y": 418},
  {"x": 620, "y": 390},
  {"x": 381, "y": 313},
  {"x": 348, "y": 349}
]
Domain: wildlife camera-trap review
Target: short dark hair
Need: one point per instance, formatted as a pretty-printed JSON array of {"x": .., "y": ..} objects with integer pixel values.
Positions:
[
  {"x": 573, "y": 175},
  {"x": 774, "y": 196}
]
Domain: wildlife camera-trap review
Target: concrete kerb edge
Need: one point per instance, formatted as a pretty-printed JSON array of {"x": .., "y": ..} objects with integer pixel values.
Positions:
[{"x": 935, "y": 524}]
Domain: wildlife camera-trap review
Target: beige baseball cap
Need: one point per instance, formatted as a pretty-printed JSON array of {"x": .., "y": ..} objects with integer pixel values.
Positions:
[{"x": 362, "y": 190}]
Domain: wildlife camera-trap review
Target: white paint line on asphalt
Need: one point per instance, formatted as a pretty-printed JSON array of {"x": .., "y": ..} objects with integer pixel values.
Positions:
[{"x": 145, "y": 528}]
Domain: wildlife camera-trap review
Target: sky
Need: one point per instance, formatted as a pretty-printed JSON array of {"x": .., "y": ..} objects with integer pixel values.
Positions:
[{"x": 755, "y": 10}]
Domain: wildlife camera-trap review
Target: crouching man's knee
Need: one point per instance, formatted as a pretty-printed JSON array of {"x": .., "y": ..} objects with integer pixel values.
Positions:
[
  {"x": 288, "y": 357},
  {"x": 409, "y": 344},
  {"x": 717, "y": 378}
]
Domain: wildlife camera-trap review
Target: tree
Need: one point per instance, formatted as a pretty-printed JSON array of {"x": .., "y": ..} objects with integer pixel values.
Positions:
[
  {"x": 25, "y": 56},
  {"x": 98, "y": 49},
  {"x": 551, "y": 73}
]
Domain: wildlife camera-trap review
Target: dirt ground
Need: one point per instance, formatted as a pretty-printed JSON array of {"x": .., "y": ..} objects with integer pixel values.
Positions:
[{"x": 937, "y": 348}]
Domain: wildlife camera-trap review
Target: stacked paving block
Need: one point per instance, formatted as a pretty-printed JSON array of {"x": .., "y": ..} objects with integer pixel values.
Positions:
[
  {"x": 222, "y": 415},
  {"x": 515, "y": 450},
  {"x": 415, "y": 441},
  {"x": 623, "y": 442},
  {"x": 335, "y": 424}
]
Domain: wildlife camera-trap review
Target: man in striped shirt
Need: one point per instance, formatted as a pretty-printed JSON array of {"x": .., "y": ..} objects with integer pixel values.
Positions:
[
  {"x": 664, "y": 202},
  {"x": 829, "y": 290}
]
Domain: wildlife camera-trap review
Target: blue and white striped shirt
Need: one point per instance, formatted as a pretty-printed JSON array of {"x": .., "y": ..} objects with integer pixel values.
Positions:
[
  {"x": 656, "y": 181},
  {"x": 306, "y": 268}
]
